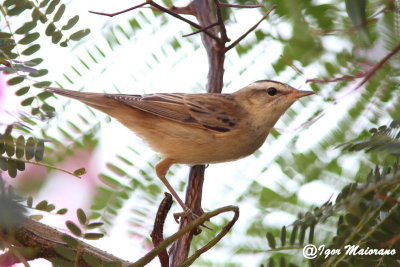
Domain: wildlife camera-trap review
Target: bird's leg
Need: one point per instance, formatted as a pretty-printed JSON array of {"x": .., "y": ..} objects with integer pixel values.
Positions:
[{"x": 161, "y": 169}]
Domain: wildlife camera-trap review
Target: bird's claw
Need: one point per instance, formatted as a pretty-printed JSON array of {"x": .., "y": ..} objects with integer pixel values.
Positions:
[{"x": 188, "y": 214}]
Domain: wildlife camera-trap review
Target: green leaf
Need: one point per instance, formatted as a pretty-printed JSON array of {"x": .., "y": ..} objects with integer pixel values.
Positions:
[
  {"x": 16, "y": 80},
  {"x": 30, "y": 148},
  {"x": 271, "y": 240},
  {"x": 71, "y": 22},
  {"x": 27, "y": 27},
  {"x": 5, "y": 34},
  {"x": 42, "y": 205},
  {"x": 91, "y": 260},
  {"x": 62, "y": 211},
  {"x": 50, "y": 208},
  {"x": 44, "y": 3},
  {"x": 51, "y": 28},
  {"x": 28, "y": 101},
  {"x": 117, "y": 170},
  {"x": 59, "y": 13},
  {"x": 73, "y": 228},
  {"x": 52, "y": 6},
  {"x": 35, "y": 111},
  {"x": 9, "y": 145},
  {"x": 94, "y": 225},
  {"x": 70, "y": 240},
  {"x": 311, "y": 234},
  {"x": 356, "y": 9},
  {"x": 76, "y": 36},
  {"x": 80, "y": 171},
  {"x": 93, "y": 236},
  {"x": 3, "y": 164},
  {"x": 82, "y": 218},
  {"x": 34, "y": 62},
  {"x": 283, "y": 236},
  {"x": 56, "y": 37},
  {"x": 29, "y": 202},
  {"x": 293, "y": 235},
  {"x": 65, "y": 252},
  {"x": 41, "y": 84},
  {"x": 108, "y": 180},
  {"x": 12, "y": 168},
  {"x": 39, "y": 73},
  {"x": 44, "y": 95},
  {"x": 20, "y": 165},
  {"x": 20, "y": 147},
  {"x": 2, "y": 145},
  {"x": 31, "y": 50},
  {"x": 29, "y": 38},
  {"x": 39, "y": 150},
  {"x": 47, "y": 108},
  {"x": 22, "y": 91},
  {"x": 352, "y": 219},
  {"x": 302, "y": 234}
]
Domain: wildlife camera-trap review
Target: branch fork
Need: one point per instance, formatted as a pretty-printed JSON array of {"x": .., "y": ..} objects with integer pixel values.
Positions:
[{"x": 189, "y": 10}]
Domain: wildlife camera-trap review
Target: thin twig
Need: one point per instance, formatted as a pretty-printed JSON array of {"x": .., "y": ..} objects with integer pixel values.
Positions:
[
  {"x": 160, "y": 8},
  {"x": 215, "y": 240},
  {"x": 42, "y": 165},
  {"x": 291, "y": 64},
  {"x": 385, "y": 198},
  {"x": 170, "y": 12},
  {"x": 249, "y": 31},
  {"x": 240, "y": 6},
  {"x": 117, "y": 13},
  {"x": 224, "y": 36},
  {"x": 206, "y": 216},
  {"x": 349, "y": 30},
  {"x": 201, "y": 30},
  {"x": 378, "y": 66},
  {"x": 344, "y": 77}
]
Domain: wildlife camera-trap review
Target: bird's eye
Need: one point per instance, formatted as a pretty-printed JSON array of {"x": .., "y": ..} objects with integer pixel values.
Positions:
[{"x": 272, "y": 91}]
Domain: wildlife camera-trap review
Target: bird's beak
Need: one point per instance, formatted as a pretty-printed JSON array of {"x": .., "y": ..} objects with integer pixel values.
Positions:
[{"x": 299, "y": 94}]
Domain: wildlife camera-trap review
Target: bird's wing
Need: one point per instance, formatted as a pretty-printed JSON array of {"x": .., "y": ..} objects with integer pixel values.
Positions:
[{"x": 215, "y": 112}]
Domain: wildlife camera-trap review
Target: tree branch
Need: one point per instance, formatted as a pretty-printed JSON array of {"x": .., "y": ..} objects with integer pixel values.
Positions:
[
  {"x": 186, "y": 10},
  {"x": 43, "y": 239},
  {"x": 250, "y": 30},
  {"x": 157, "y": 233},
  {"x": 117, "y": 13},
  {"x": 202, "y": 29},
  {"x": 162, "y": 9},
  {"x": 222, "y": 29},
  {"x": 378, "y": 66},
  {"x": 240, "y": 6}
]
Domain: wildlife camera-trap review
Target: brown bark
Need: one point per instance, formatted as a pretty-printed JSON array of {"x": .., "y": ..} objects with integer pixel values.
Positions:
[
  {"x": 216, "y": 56},
  {"x": 43, "y": 239}
]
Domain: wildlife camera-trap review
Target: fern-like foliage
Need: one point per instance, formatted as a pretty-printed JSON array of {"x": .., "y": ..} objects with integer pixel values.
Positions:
[
  {"x": 367, "y": 216},
  {"x": 300, "y": 40},
  {"x": 19, "y": 44}
]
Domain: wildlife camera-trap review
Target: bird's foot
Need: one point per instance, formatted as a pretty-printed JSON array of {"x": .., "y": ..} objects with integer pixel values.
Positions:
[
  {"x": 191, "y": 216},
  {"x": 187, "y": 214}
]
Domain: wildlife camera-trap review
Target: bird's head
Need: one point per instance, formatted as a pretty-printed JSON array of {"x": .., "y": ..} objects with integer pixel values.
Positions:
[{"x": 268, "y": 99}]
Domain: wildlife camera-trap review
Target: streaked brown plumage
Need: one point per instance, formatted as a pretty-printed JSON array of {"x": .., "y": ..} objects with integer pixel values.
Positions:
[{"x": 197, "y": 128}]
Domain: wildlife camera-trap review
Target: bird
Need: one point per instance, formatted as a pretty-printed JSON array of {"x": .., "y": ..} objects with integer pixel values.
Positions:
[{"x": 203, "y": 128}]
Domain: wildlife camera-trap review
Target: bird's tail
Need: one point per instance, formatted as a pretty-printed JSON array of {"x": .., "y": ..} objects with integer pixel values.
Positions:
[
  {"x": 72, "y": 94},
  {"x": 96, "y": 100}
]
